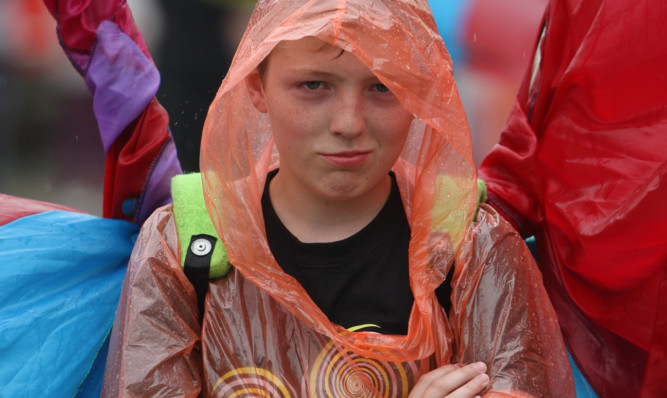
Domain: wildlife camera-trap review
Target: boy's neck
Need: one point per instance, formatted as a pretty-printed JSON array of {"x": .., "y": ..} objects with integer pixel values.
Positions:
[{"x": 317, "y": 220}]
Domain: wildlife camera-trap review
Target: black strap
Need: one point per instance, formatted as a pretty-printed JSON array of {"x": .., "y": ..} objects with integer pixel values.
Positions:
[{"x": 197, "y": 266}]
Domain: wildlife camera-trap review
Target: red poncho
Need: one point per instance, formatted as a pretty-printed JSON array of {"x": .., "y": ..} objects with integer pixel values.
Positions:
[{"x": 581, "y": 164}]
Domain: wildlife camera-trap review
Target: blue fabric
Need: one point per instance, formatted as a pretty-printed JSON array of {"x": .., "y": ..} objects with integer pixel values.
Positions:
[
  {"x": 60, "y": 280},
  {"x": 584, "y": 389},
  {"x": 532, "y": 246},
  {"x": 92, "y": 385},
  {"x": 450, "y": 18}
]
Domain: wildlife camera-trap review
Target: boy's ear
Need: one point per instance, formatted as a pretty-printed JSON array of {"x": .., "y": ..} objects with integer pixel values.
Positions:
[{"x": 253, "y": 83}]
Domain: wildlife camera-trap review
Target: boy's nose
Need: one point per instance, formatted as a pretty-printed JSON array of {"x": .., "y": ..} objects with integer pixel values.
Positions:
[{"x": 348, "y": 118}]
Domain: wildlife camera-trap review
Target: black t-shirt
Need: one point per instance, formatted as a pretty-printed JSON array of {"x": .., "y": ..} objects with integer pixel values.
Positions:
[{"x": 357, "y": 281}]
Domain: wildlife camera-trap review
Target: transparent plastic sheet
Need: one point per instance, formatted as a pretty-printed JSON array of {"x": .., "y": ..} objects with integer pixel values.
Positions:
[{"x": 261, "y": 332}]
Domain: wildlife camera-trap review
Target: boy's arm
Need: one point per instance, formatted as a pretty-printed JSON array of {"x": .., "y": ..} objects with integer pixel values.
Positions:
[
  {"x": 155, "y": 347},
  {"x": 501, "y": 314}
]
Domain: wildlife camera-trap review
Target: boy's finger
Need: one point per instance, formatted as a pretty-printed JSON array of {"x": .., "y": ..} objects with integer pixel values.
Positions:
[
  {"x": 443, "y": 382},
  {"x": 453, "y": 381},
  {"x": 428, "y": 378},
  {"x": 471, "y": 388}
]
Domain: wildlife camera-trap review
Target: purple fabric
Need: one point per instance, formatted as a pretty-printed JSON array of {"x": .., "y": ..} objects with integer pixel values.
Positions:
[
  {"x": 80, "y": 61},
  {"x": 156, "y": 189},
  {"x": 122, "y": 79}
]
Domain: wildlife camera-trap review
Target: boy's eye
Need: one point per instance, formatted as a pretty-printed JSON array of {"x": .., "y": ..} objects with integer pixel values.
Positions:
[
  {"x": 381, "y": 88},
  {"x": 312, "y": 85}
]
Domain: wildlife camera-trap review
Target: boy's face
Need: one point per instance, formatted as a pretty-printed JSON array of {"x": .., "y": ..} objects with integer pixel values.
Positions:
[{"x": 338, "y": 130}]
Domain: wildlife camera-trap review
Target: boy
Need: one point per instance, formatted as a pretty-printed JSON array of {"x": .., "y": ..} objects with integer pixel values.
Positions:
[{"x": 337, "y": 170}]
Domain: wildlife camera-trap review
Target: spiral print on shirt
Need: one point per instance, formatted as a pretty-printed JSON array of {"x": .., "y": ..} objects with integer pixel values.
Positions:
[
  {"x": 338, "y": 373},
  {"x": 251, "y": 382}
]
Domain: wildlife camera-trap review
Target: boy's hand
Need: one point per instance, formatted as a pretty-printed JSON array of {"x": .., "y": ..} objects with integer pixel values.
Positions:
[{"x": 452, "y": 381}]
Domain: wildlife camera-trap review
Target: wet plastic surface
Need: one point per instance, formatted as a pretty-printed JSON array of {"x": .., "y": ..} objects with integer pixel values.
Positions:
[{"x": 581, "y": 164}]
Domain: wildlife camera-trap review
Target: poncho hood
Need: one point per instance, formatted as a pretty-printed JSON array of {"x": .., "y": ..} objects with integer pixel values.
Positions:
[{"x": 399, "y": 42}]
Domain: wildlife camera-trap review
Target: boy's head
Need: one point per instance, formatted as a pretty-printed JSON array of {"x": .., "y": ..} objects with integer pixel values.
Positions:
[
  {"x": 337, "y": 127},
  {"x": 386, "y": 43}
]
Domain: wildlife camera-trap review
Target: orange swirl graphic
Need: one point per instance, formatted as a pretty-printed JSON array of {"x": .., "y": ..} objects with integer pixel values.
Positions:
[
  {"x": 250, "y": 382},
  {"x": 341, "y": 373}
]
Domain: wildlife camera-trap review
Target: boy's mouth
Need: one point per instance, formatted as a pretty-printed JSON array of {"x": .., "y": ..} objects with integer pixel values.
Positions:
[{"x": 347, "y": 158}]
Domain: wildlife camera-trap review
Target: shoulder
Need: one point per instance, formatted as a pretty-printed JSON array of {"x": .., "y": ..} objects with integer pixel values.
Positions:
[
  {"x": 489, "y": 229},
  {"x": 489, "y": 222},
  {"x": 492, "y": 246},
  {"x": 157, "y": 240},
  {"x": 154, "y": 271},
  {"x": 161, "y": 222}
]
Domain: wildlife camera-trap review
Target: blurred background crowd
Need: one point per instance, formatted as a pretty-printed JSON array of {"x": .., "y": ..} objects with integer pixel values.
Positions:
[{"x": 49, "y": 146}]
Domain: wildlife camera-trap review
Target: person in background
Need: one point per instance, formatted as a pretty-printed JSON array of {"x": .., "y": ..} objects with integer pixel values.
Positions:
[
  {"x": 581, "y": 165},
  {"x": 205, "y": 30}
]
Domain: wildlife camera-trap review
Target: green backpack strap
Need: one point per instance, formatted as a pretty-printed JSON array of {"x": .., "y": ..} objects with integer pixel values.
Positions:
[
  {"x": 482, "y": 195},
  {"x": 203, "y": 255}
]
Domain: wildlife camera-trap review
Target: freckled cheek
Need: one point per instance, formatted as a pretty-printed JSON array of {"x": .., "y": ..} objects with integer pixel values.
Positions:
[
  {"x": 292, "y": 136},
  {"x": 301, "y": 128},
  {"x": 403, "y": 123},
  {"x": 394, "y": 127}
]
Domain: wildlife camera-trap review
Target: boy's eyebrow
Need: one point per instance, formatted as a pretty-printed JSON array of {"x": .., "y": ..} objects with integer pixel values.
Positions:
[
  {"x": 318, "y": 73},
  {"x": 313, "y": 72}
]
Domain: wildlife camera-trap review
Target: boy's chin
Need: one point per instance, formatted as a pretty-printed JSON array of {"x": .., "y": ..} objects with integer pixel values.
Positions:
[{"x": 351, "y": 187}]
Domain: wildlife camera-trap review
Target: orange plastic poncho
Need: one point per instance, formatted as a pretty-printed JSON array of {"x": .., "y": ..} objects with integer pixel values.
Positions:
[{"x": 262, "y": 335}]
